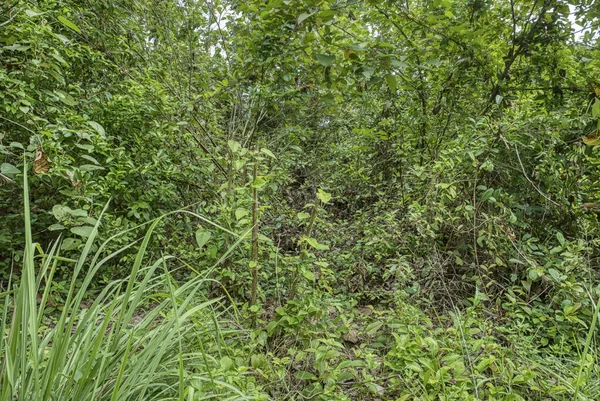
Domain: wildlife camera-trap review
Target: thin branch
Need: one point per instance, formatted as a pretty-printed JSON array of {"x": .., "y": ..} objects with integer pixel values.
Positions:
[{"x": 530, "y": 181}]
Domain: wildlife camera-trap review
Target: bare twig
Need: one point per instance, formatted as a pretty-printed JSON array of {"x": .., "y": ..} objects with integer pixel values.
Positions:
[{"x": 531, "y": 181}]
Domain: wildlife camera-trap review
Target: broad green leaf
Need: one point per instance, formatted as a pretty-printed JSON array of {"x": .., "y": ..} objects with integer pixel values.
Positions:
[
  {"x": 98, "y": 128},
  {"x": 90, "y": 158},
  {"x": 268, "y": 153},
  {"x": 61, "y": 212},
  {"x": 303, "y": 375},
  {"x": 68, "y": 24},
  {"x": 240, "y": 212},
  {"x": 398, "y": 64},
  {"x": 596, "y": 108},
  {"x": 561, "y": 238},
  {"x": 226, "y": 363},
  {"x": 202, "y": 237},
  {"x": 373, "y": 328},
  {"x": 83, "y": 231},
  {"x": 554, "y": 274},
  {"x": 391, "y": 82},
  {"x": 303, "y": 16},
  {"x": 315, "y": 244},
  {"x": 234, "y": 146},
  {"x": 258, "y": 183},
  {"x": 9, "y": 169},
  {"x": 325, "y": 59},
  {"x": 31, "y": 13},
  {"x": 323, "y": 196},
  {"x": 487, "y": 194},
  {"x": 77, "y": 212},
  {"x": 70, "y": 244},
  {"x": 65, "y": 98},
  {"x": 303, "y": 216},
  {"x": 90, "y": 167},
  {"x": 310, "y": 276},
  {"x": 258, "y": 361}
]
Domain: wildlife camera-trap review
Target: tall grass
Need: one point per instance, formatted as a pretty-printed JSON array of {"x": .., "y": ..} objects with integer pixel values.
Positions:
[{"x": 142, "y": 338}]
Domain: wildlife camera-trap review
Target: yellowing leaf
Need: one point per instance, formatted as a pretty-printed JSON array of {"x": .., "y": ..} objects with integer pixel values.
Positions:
[
  {"x": 592, "y": 139},
  {"x": 350, "y": 54}
]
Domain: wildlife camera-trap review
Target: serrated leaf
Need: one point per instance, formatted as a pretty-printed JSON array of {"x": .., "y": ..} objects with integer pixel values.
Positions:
[{"x": 68, "y": 24}]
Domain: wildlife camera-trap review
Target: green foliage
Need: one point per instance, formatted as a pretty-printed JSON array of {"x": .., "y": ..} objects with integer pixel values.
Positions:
[
  {"x": 417, "y": 184},
  {"x": 143, "y": 337}
]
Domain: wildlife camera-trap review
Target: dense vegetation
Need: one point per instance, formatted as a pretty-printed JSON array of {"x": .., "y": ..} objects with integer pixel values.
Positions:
[{"x": 294, "y": 200}]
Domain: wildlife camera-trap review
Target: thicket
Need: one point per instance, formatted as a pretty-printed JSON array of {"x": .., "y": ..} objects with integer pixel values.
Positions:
[{"x": 291, "y": 200}]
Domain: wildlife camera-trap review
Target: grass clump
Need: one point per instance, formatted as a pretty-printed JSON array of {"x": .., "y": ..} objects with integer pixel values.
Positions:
[{"x": 142, "y": 338}]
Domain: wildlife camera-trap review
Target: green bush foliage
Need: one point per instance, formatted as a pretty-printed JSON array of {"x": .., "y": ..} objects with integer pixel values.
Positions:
[{"x": 380, "y": 200}]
